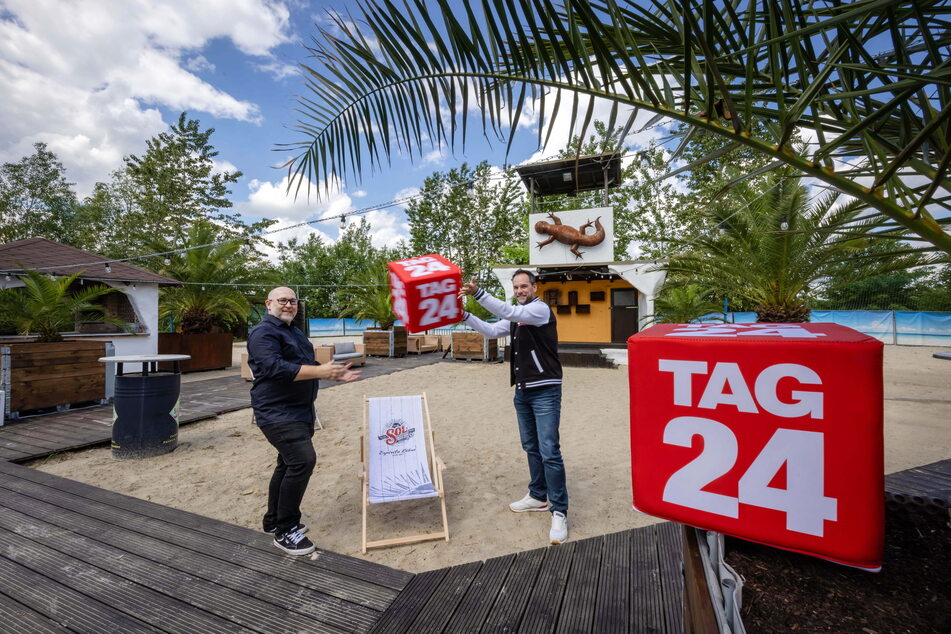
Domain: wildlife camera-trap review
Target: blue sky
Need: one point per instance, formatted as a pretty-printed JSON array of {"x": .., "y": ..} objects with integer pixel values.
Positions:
[{"x": 95, "y": 78}]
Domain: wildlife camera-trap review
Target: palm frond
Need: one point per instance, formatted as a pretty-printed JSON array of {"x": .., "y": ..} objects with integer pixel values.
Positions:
[{"x": 869, "y": 78}]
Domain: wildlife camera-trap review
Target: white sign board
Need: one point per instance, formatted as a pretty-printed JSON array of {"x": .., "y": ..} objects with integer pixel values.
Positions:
[
  {"x": 398, "y": 464},
  {"x": 579, "y": 236}
]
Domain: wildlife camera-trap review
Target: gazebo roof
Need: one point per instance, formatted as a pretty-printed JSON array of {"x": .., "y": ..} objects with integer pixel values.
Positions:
[
  {"x": 569, "y": 176},
  {"x": 59, "y": 259}
]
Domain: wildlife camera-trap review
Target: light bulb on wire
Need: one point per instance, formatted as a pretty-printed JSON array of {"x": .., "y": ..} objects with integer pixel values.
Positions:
[
  {"x": 343, "y": 222},
  {"x": 168, "y": 260},
  {"x": 108, "y": 268}
]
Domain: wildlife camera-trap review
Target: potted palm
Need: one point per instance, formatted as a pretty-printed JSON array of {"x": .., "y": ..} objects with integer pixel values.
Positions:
[
  {"x": 684, "y": 304},
  {"x": 371, "y": 301},
  {"x": 208, "y": 304},
  {"x": 48, "y": 371}
]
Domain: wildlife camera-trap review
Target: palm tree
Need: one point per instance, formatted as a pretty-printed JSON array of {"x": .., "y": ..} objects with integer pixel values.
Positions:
[
  {"x": 47, "y": 306},
  {"x": 774, "y": 251},
  {"x": 868, "y": 78},
  {"x": 371, "y": 298},
  {"x": 209, "y": 299},
  {"x": 683, "y": 304}
]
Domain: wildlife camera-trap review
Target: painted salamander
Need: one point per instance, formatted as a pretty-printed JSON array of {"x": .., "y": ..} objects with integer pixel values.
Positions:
[{"x": 569, "y": 235}]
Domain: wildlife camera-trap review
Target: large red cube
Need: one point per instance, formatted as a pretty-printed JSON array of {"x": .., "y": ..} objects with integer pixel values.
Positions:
[
  {"x": 425, "y": 292},
  {"x": 768, "y": 432}
]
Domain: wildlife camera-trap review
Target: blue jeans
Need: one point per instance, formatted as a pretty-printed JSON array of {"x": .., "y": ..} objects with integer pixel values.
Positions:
[
  {"x": 539, "y": 415},
  {"x": 296, "y": 460}
]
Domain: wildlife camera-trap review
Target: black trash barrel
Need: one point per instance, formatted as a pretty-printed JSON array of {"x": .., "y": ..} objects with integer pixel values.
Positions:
[{"x": 145, "y": 415}]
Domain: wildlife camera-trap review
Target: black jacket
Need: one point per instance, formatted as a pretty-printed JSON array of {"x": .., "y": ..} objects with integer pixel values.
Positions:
[{"x": 276, "y": 352}]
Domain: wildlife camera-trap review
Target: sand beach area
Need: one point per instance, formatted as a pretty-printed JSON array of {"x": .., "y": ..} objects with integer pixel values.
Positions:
[{"x": 222, "y": 465}]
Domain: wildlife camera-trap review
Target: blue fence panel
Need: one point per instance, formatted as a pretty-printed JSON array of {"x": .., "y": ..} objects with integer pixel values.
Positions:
[
  {"x": 875, "y": 323},
  {"x": 743, "y": 318},
  {"x": 923, "y": 329}
]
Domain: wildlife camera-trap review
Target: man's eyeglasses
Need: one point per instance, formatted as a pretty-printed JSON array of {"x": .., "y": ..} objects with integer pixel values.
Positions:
[{"x": 283, "y": 301}]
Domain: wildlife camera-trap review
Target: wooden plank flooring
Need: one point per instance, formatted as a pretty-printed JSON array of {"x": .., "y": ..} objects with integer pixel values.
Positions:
[
  {"x": 26, "y": 439},
  {"x": 630, "y": 581},
  {"x": 78, "y": 558}
]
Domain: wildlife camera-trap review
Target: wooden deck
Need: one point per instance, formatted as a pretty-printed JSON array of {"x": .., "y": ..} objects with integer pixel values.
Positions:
[
  {"x": 35, "y": 437},
  {"x": 39, "y": 436},
  {"x": 78, "y": 558},
  {"x": 630, "y": 581},
  {"x": 926, "y": 488}
]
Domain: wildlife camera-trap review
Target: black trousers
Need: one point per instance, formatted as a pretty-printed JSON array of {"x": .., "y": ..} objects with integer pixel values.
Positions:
[{"x": 296, "y": 460}]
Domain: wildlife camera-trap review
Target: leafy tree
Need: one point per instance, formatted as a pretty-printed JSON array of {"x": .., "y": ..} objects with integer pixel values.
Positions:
[
  {"x": 683, "y": 304},
  {"x": 648, "y": 212},
  {"x": 48, "y": 306},
  {"x": 335, "y": 269},
  {"x": 934, "y": 291},
  {"x": 468, "y": 215},
  {"x": 372, "y": 299},
  {"x": 36, "y": 200},
  {"x": 175, "y": 184},
  {"x": 775, "y": 251},
  {"x": 210, "y": 300},
  {"x": 864, "y": 77}
]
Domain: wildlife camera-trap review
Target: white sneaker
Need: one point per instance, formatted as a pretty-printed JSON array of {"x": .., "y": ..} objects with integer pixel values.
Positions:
[
  {"x": 528, "y": 503},
  {"x": 559, "y": 528}
]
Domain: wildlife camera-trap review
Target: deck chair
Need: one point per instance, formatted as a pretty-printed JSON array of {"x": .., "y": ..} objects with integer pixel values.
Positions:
[{"x": 399, "y": 460}]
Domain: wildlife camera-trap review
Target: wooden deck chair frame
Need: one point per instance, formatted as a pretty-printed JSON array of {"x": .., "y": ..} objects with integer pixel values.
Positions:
[{"x": 436, "y": 465}]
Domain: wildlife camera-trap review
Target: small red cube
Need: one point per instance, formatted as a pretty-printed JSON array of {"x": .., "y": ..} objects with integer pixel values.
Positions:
[
  {"x": 768, "y": 432},
  {"x": 425, "y": 291}
]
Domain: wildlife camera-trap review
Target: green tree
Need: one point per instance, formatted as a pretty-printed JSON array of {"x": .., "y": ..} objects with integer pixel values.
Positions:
[
  {"x": 175, "y": 183},
  {"x": 371, "y": 299},
  {"x": 933, "y": 292},
  {"x": 48, "y": 306},
  {"x": 776, "y": 250},
  {"x": 683, "y": 304},
  {"x": 335, "y": 269},
  {"x": 36, "y": 200},
  {"x": 648, "y": 211},
  {"x": 866, "y": 78},
  {"x": 211, "y": 298},
  {"x": 468, "y": 215}
]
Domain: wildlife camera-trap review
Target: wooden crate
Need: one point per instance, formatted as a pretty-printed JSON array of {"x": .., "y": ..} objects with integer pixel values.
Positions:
[
  {"x": 385, "y": 343},
  {"x": 211, "y": 351},
  {"x": 472, "y": 345},
  {"x": 43, "y": 375}
]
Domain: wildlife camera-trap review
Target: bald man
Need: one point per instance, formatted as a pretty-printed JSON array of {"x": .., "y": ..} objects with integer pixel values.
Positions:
[{"x": 285, "y": 386}]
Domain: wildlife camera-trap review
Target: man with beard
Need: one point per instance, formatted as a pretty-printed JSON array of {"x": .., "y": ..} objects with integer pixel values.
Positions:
[
  {"x": 535, "y": 372},
  {"x": 285, "y": 386}
]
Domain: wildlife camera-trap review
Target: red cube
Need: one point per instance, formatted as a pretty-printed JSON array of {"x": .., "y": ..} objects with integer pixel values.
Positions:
[
  {"x": 425, "y": 291},
  {"x": 767, "y": 432}
]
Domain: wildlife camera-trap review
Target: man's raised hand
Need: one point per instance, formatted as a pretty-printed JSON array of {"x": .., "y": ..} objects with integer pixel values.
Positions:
[{"x": 469, "y": 288}]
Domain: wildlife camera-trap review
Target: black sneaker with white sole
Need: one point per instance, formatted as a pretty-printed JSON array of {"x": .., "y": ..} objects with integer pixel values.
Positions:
[
  {"x": 294, "y": 543},
  {"x": 303, "y": 528}
]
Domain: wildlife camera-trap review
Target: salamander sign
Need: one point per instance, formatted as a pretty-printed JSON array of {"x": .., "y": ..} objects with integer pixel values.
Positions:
[{"x": 768, "y": 432}]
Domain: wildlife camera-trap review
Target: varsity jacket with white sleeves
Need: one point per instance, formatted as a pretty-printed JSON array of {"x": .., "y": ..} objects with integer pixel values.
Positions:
[{"x": 534, "y": 338}]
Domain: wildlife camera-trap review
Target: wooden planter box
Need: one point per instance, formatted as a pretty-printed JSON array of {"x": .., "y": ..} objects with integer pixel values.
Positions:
[
  {"x": 211, "y": 351},
  {"x": 44, "y": 375},
  {"x": 385, "y": 343},
  {"x": 472, "y": 345}
]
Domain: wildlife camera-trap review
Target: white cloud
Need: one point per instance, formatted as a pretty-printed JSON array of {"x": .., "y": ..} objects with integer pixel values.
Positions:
[
  {"x": 199, "y": 64},
  {"x": 270, "y": 200},
  {"x": 87, "y": 77},
  {"x": 360, "y": 193},
  {"x": 273, "y": 200},
  {"x": 278, "y": 69}
]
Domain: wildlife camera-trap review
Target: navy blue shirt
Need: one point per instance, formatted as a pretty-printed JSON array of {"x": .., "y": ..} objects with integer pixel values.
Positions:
[{"x": 276, "y": 351}]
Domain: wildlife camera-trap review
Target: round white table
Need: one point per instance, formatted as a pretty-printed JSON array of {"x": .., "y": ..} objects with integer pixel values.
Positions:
[{"x": 149, "y": 361}]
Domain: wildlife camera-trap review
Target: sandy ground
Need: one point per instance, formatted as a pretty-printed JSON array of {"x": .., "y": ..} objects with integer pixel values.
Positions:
[{"x": 222, "y": 465}]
